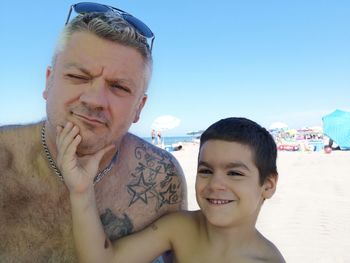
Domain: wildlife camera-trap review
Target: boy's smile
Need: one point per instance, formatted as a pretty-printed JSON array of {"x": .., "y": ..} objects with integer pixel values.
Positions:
[
  {"x": 227, "y": 184},
  {"x": 218, "y": 201}
]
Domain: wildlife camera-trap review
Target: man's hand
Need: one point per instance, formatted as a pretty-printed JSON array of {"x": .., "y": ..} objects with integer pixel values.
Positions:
[{"x": 78, "y": 173}]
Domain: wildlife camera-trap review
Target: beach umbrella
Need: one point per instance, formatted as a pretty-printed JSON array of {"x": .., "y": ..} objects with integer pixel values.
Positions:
[
  {"x": 165, "y": 122},
  {"x": 336, "y": 126}
]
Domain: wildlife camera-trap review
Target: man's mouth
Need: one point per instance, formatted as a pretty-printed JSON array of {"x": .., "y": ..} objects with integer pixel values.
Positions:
[{"x": 89, "y": 119}]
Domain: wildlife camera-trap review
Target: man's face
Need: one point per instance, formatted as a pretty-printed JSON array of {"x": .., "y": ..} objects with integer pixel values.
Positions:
[
  {"x": 99, "y": 86},
  {"x": 227, "y": 184}
]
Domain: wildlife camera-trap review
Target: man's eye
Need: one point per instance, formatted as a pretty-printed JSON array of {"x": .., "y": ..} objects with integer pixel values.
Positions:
[
  {"x": 77, "y": 77},
  {"x": 121, "y": 88}
]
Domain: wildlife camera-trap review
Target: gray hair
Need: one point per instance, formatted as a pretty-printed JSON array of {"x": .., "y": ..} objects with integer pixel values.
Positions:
[{"x": 109, "y": 26}]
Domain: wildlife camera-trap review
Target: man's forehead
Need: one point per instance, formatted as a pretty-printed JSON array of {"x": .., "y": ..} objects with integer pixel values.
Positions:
[{"x": 87, "y": 52}]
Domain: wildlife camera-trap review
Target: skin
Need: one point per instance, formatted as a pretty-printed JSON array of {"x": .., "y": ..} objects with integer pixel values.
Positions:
[
  {"x": 98, "y": 86},
  {"x": 228, "y": 192},
  {"x": 101, "y": 88},
  {"x": 227, "y": 188}
]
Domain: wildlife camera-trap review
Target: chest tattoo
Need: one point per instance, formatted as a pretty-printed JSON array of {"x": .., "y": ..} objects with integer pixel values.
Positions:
[{"x": 154, "y": 178}]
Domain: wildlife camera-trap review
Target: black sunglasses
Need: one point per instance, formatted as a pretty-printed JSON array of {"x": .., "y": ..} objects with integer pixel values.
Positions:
[{"x": 87, "y": 7}]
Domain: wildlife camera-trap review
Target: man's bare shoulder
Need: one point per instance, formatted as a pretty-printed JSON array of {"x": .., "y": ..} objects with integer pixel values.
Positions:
[
  {"x": 148, "y": 182},
  {"x": 141, "y": 143},
  {"x": 17, "y": 140},
  {"x": 161, "y": 161},
  {"x": 17, "y": 131}
]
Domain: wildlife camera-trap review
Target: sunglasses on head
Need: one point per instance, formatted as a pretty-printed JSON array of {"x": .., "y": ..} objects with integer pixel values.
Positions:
[{"x": 87, "y": 7}]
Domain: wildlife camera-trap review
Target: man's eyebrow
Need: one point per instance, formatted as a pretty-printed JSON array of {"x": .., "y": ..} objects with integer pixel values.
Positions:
[
  {"x": 128, "y": 82},
  {"x": 121, "y": 81},
  {"x": 77, "y": 66}
]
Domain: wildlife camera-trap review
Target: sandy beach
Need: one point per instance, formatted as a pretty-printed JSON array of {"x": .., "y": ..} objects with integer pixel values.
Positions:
[{"x": 308, "y": 218}]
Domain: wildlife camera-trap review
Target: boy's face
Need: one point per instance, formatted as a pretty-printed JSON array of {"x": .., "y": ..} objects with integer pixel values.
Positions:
[{"x": 227, "y": 184}]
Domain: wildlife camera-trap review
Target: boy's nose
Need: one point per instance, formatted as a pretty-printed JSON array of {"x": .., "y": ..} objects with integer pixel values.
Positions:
[{"x": 217, "y": 182}]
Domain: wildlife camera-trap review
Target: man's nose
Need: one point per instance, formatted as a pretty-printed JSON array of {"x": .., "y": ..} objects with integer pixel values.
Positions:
[{"x": 95, "y": 94}]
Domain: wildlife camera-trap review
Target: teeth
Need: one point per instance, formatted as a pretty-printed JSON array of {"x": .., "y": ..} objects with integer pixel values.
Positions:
[{"x": 219, "y": 201}]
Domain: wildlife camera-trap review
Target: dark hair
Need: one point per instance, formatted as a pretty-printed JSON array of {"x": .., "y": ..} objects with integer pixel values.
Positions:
[{"x": 247, "y": 132}]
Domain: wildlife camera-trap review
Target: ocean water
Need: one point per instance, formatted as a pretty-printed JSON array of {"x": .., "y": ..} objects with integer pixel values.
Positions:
[{"x": 171, "y": 140}]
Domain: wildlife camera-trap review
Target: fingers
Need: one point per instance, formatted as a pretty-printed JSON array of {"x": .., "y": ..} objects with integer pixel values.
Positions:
[{"x": 67, "y": 139}]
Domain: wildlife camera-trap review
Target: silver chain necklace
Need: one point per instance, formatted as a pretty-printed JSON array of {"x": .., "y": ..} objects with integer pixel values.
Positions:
[{"x": 53, "y": 165}]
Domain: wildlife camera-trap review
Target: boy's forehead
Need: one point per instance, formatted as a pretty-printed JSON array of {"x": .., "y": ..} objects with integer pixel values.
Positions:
[
  {"x": 227, "y": 155},
  {"x": 225, "y": 151}
]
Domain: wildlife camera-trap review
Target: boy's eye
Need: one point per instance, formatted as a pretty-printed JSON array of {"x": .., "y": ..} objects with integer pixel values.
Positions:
[
  {"x": 234, "y": 173},
  {"x": 204, "y": 171}
]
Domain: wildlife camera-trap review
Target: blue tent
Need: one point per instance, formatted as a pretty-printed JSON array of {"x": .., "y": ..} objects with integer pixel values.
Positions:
[{"x": 336, "y": 126}]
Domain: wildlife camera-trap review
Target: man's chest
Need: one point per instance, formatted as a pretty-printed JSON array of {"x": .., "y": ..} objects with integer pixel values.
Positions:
[{"x": 35, "y": 222}]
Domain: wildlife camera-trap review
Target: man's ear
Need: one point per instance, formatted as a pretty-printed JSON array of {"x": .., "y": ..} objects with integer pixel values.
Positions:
[
  {"x": 140, "y": 107},
  {"x": 48, "y": 81},
  {"x": 269, "y": 186}
]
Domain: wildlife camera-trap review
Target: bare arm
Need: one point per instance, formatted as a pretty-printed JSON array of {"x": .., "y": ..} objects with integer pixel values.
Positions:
[{"x": 91, "y": 242}]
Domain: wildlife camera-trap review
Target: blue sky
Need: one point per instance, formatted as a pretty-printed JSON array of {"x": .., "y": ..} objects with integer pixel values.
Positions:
[{"x": 271, "y": 61}]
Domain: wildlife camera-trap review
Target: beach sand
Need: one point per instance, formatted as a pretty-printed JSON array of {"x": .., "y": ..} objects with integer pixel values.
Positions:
[{"x": 308, "y": 218}]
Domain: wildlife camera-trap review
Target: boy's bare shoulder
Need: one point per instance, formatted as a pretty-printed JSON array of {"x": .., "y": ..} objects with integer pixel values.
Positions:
[{"x": 269, "y": 252}]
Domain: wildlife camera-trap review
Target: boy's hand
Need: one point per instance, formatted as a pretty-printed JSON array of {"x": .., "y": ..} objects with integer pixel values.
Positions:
[{"x": 78, "y": 172}]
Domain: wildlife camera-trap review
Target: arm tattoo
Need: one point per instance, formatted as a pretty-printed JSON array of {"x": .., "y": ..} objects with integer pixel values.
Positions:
[{"x": 114, "y": 226}]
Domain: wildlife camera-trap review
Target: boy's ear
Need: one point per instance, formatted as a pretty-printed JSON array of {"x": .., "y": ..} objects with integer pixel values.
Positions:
[{"x": 269, "y": 186}]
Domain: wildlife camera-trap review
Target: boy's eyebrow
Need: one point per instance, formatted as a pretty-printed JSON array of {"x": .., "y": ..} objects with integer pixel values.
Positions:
[
  {"x": 237, "y": 164},
  {"x": 203, "y": 163}
]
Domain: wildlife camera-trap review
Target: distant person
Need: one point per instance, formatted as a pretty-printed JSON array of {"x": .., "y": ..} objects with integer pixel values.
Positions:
[
  {"x": 153, "y": 136},
  {"x": 96, "y": 86},
  {"x": 159, "y": 138},
  {"x": 236, "y": 172}
]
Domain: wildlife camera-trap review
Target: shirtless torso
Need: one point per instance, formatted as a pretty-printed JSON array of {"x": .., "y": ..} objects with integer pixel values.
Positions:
[
  {"x": 193, "y": 239},
  {"x": 35, "y": 223}
]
